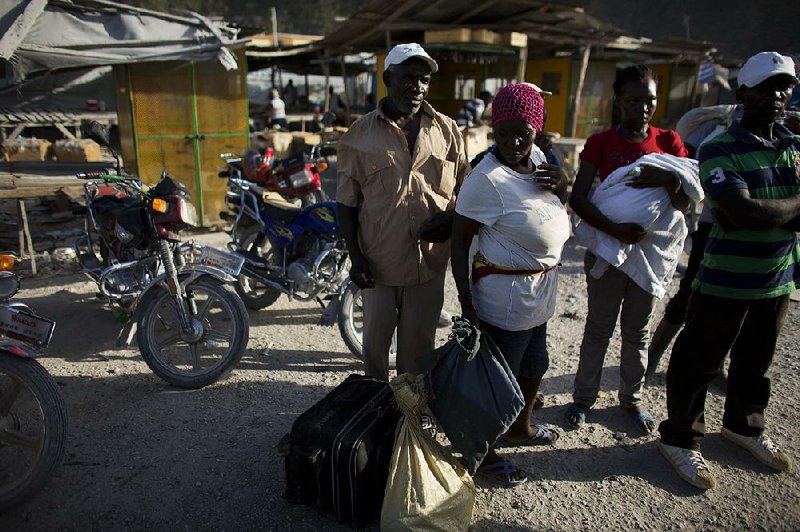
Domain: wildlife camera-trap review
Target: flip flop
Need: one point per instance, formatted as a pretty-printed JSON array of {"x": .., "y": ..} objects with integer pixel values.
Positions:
[
  {"x": 643, "y": 419},
  {"x": 502, "y": 474},
  {"x": 576, "y": 415},
  {"x": 543, "y": 436}
]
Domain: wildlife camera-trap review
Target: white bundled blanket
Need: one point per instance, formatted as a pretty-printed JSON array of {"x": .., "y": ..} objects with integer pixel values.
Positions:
[{"x": 651, "y": 262}]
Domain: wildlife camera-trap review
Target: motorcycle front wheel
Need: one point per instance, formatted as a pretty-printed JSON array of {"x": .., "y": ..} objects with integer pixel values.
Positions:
[
  {"x": 216, "y": 344},
  {"x": 351, "y": 323},
  {"x": 33, "y": 428},
  {"x": 254, "y": 294}
]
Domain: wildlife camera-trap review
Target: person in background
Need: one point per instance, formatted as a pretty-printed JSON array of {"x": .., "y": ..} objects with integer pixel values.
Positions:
[
  {"x": 750, "y": 268},
  {"x": 275, "y": 111},
  {"x": 513, "y": 200},
  {"x": 472, "y": 113},
  {"x": 290, "y": 94},
  {"x": 400, "y": 167},
  {"x": 635, "y": 100}
]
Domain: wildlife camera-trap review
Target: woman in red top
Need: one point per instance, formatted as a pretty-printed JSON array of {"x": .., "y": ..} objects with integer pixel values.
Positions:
[{"x": 635, "y": 100}]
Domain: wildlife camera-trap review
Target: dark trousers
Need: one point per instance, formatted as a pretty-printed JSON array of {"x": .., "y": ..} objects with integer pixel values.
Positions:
[
  {"x": 714, "y": 325},
  {"x": 675, "y": 311}
]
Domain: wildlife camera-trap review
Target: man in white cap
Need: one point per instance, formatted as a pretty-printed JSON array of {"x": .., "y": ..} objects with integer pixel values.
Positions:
[
  {"x": 399, "y": 169},
  {"x": 751, "y": 264}
]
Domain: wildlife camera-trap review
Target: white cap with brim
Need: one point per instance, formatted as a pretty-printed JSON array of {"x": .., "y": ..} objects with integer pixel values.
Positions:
[
  {"x": 764, "y": 65},
  {"x": 403, "y": 52}
]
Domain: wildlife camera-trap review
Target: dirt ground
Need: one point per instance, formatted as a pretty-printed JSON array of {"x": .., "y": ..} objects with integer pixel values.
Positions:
[{"x": 144, "y": 456}]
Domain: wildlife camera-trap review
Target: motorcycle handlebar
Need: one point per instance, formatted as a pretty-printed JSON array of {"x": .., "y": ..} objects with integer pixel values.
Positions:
[{"x": 104, "y": 175}]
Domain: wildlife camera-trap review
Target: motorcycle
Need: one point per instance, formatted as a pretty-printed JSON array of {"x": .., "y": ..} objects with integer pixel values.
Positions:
[
  {"x": 296, "y": 178},
  {"x": 294, "y": 251},
  {"x": 190, "y": 326},
  {"x": 33, "y": 419}
]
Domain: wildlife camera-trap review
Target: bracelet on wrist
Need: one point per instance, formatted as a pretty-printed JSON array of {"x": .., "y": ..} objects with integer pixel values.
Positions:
[{"x": 465, "y": 297}]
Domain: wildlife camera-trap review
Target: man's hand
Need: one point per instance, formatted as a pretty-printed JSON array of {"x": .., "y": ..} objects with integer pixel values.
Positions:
[
  {"x": 360, "y": 273},
  {"x": 627, "y": 233},
  {"x": 438, "y": 228}
]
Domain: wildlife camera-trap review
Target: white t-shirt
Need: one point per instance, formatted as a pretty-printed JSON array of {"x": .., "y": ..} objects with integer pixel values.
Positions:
[
  {"x": 523, "y": 227},
  {"x": 277, "y": 109}
]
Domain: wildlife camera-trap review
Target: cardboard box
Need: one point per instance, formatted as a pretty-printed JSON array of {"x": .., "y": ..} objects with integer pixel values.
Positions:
[
  {"x": 516, "y": 39},
  {"x": 280, "y": 141},
  {"x": 77, "y": 150},
  {"x": 445, "y": 36},
  {"x": 476, "y": 140},
  {"x": 26, "y": 149},
  {"x": 304, "y": 141},
  {"x": 486, "y": 37}
]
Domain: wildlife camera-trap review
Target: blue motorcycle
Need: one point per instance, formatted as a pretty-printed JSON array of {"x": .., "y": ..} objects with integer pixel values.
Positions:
[{"x": 295, "y": 251}]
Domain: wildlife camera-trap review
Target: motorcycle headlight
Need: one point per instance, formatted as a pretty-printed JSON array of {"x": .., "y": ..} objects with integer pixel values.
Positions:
[
  {"x": 189, "y": 214},
  {"x": 300, "y": 178},
  {"x": 124, "y": 235}
]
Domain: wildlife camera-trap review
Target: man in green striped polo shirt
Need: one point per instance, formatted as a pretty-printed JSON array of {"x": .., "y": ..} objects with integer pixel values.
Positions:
[{"x": 751, "y": 264}]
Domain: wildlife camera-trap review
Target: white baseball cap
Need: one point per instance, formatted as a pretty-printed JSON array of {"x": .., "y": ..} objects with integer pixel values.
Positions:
[
  {"x": 403, "y": 52},
  {"x": 764, "y": 65}
]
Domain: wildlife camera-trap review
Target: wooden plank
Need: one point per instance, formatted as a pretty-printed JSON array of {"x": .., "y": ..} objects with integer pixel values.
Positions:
[
  {"x": 39, "y": 192},
  {"x": 16, "y": 131},
  {"x": 64, "y": 131}
]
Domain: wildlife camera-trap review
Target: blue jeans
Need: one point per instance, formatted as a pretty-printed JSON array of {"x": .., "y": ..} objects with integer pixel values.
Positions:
[{"x": 525, "y": 351}]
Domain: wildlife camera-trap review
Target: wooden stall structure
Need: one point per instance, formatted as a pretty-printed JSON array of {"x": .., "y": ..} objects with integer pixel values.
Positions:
[
  {"x": 180, "y": 116},
  {"x": 485, "y": 45}
]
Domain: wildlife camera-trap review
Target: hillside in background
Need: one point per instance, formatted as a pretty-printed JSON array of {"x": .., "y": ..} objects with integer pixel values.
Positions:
[{"x": 740, "y": 28}]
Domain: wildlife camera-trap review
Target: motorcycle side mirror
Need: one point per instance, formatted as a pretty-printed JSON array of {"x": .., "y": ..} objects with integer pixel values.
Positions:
[
  {"x": 328, "y": 118},
  {"x": 97, "y": 132}
]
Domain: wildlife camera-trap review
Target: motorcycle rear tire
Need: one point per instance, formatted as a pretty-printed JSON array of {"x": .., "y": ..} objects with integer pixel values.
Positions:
[
  {"x": 349, "y": 324},
  {"x": 254, "y": 294},
  {"x": 43, "y": 388},
  {"x": 153, "y": 356}
]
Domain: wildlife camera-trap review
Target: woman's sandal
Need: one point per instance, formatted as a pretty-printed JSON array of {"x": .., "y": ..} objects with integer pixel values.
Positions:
[
  {"x": 543, "y": 436},
  {"x": 576, "y": 415},
  {"x": 643, "y": 420},
  {"x": 502, "y": 473}
]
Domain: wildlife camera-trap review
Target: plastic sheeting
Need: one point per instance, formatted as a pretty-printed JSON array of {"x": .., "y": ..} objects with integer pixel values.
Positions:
[{"x": 96, "y": 32}]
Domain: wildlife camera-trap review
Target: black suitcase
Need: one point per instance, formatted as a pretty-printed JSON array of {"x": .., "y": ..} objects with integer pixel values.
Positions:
[{"x": 338, "y": 452}]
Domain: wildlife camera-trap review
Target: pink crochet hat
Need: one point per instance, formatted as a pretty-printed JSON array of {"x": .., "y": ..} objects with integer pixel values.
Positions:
[{"x": 518, "y": 101}]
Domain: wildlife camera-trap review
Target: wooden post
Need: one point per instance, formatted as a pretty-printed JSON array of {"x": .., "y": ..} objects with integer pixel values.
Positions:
[
  {"x": 581, "y": 79},
  {"x": 25, "y": 231},
  {"x": 523, "y": 62},
  {"x": 346, "y": 92}
]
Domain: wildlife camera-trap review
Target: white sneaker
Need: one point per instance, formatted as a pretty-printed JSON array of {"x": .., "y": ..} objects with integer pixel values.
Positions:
[
  {"x": 762, "y": 448},
  {"x": 690, "y": 465}
]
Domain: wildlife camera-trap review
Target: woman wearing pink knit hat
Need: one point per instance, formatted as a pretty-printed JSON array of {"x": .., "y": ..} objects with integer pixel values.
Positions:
[{"x": 513, "y": 200}]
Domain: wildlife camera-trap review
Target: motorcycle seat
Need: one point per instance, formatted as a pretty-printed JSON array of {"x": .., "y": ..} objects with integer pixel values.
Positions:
[{"x": 276, "y": 208}]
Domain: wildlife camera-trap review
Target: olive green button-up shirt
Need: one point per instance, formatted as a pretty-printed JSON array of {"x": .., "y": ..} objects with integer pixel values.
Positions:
[{"x": 397, "y": 191}]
